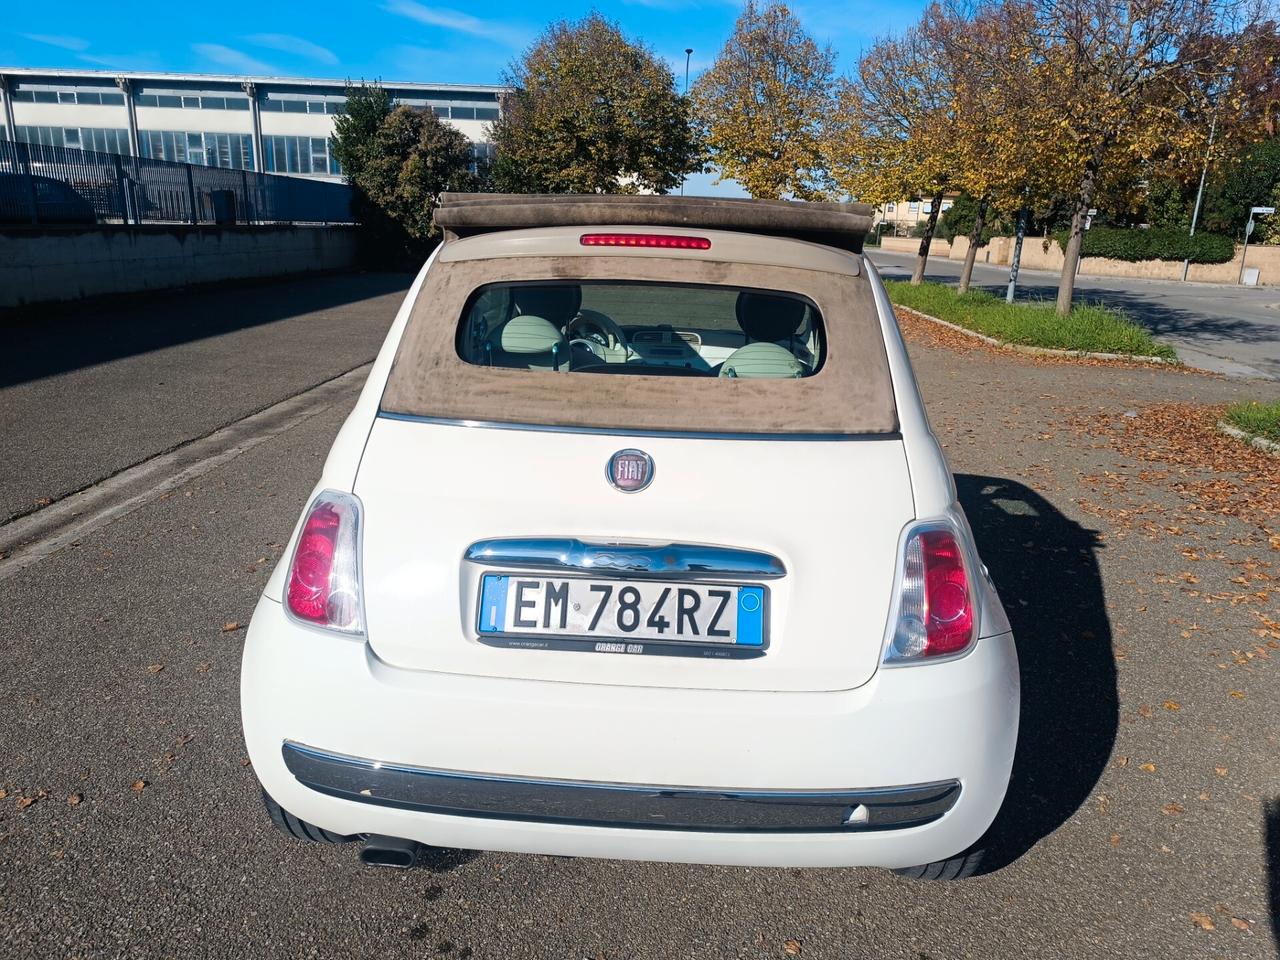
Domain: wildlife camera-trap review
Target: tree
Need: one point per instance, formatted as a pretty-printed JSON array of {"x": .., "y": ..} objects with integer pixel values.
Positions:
[
  {"x": 1001, "y": 122},
  {"x": 398, "y": 161},
  {"x": 1127, "y": 77},
  {"x": 366, "y": 107},
  {"x": 591, "y": 112},
  {"x": 891, "y": 135},
  {"x": 761, "y": 107}
]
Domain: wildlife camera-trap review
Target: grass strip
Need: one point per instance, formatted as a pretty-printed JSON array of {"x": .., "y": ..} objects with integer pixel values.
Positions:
[
  {"x": 1091, "y": 328},
  {"x": 1259, "y": 419}
]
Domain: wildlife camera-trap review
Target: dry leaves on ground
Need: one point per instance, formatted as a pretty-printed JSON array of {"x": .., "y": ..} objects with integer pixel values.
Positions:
[
  {"x": 793, "y": 948},
  {"x": 1202, "y": 920},
  {"x": 139, "y": 786},
  {"x": 1245, "y": 482},
  {"x": 230, "y": 626}
]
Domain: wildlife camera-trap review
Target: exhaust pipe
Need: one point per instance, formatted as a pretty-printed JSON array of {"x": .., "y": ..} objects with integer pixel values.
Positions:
[{"x": 380, "y": 851}]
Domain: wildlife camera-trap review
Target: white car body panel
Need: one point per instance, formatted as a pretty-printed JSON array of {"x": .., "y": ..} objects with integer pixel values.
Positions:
[{"x": 420, "y": 597}]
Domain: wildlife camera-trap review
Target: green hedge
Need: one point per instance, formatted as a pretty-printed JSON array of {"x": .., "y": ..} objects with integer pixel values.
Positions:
[{"x": 1118, "y": 243}]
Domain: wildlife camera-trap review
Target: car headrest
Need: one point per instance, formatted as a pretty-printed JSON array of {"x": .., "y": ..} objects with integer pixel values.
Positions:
[
  {"x": 554, "y": 302},
  {"x": 763, "y": 316},
  {"x": 527, "y": 334}
]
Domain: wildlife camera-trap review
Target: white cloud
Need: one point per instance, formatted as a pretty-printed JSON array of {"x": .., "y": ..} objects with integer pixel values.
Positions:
[
  {"x": 295, "y": 45},
  {"x": 59, "y": 40},
  {"x": 458, "y": 21},
  {"x": 234, "y": 60}
]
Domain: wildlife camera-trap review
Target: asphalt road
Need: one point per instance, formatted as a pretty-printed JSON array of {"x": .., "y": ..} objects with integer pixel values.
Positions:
[
  {"x": 1227, "y": 329},
  {"x": 1143, "y": 810}
]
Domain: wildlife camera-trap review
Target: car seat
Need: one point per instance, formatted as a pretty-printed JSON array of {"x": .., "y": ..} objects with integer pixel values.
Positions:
[
  {"x": 532, "y": 337},
  {"x": 766, "y": 319}
]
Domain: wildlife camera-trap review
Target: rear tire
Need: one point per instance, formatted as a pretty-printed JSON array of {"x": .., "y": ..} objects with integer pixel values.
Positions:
[
  {"x": 288, "y": 824},
  {"x": 954, "y": 868}
]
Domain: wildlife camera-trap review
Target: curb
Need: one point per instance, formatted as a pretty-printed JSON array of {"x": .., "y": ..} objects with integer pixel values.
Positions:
[
  {"x": 1262, "y": 443},
  {"x": 1042, "y": 351}
]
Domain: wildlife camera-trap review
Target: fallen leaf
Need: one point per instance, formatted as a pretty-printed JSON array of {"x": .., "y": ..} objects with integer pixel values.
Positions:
[
  {"x": 1169, "y": 809},
  {"x": 230, "y": 626},
  {"x": 1239, "y": 924},
  {"x": 1220, "y": 771},
  {"x": 3, "y": 794},
  {"x": 245, "y": 762},
  {"x": 75, "y": 799},
  {"x": 1148, "y": 767},
  {"x": 1144, "y": 710},
  {"x": 1172, "y": 705},
  {"x": 1122, "y": 761},
  {"x": 1202, "y": 920},
  {"x": 155, "y": 668},
  {"x": 139, "y": 786},
  {"x": 1238, "y": 694},
  {"x": 792, "y": 947},
  {"x": 24, "y": 802},
  {"x": 1115, "y": 839},
  {"x": 203, "y": 667}
]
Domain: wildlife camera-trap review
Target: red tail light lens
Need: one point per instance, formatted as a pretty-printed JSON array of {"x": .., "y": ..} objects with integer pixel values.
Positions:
[
  {"x": 324, "y": 577},
  {"x": 666, "y": 241},
  {"x": 936, "y": 614}
]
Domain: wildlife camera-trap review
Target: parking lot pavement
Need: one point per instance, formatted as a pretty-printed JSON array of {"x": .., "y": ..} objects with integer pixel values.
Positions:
[
  {"x": 90, "y": 390},
  {"x": 1227, "y": 329},
  {"x": 1141, "y": 822}
]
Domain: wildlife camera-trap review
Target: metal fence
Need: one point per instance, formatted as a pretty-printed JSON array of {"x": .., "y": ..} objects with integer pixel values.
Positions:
[{"x": 59, "y": 185}]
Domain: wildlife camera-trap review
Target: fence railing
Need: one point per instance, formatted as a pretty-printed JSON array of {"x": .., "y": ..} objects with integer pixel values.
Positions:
[{"x": 59, "y": 185}]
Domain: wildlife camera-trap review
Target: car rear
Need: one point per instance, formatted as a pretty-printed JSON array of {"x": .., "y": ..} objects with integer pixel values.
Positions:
[{"x": 690, "y": 586}]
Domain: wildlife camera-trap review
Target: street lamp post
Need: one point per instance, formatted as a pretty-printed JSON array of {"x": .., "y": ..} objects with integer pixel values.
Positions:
[
  {"x": 1248, "y": 230},
  {"x": 1204, "y": 171},
  {"x": 688, "y": 55}
]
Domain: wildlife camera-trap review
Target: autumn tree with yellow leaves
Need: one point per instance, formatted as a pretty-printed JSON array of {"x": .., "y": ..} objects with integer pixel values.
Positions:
[
  {"x": 893, "y": 133},
  {"x": 1126, "y": 85},
  {"x": 761, "y": 107}
]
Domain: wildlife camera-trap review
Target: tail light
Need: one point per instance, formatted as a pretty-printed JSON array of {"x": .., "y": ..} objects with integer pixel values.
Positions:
[
  {"x": 935, "y": 615},
  {"x": 324, "y": 576}
]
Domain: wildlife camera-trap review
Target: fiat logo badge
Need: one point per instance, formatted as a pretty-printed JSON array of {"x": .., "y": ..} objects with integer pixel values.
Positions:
[{"x": 630, "y": 470}]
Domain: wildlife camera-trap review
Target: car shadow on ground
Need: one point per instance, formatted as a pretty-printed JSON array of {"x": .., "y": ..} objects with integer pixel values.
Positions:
[
  {"x": 45, "y": 341},
  {"x": 1045, "y": 566}
]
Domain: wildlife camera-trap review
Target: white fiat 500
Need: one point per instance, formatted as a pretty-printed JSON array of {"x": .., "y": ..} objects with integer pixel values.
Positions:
[{"x": 638, "y": 544}]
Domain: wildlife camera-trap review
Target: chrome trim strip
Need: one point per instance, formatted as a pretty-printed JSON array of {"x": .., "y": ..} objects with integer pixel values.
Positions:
[
  {"x": 456, "y": 793},
  {"x": 619, "y": 432},
  {"x": 682, "y": 560}
]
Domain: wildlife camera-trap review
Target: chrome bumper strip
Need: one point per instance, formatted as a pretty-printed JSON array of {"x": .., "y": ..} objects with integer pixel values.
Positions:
[
  {"x": 657, "y": 560},
  {"x": 617, "y": 804}
]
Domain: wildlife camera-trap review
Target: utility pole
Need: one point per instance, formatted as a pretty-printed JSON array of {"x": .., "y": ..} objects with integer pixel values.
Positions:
[
  {"x": 1204, "y": 171},
  {"x": 688, "y": 55}
]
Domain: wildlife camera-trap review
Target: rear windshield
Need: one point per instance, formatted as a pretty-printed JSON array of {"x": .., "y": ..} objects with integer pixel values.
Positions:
[{"x": 642, "y": 328}]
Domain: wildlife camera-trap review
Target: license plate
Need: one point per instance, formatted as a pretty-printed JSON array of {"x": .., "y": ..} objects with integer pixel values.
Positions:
[{"x": 622, "y": 616}]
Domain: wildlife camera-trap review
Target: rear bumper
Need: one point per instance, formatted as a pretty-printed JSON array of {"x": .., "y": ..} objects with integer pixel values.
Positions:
[{"x": 350, "y": 744}]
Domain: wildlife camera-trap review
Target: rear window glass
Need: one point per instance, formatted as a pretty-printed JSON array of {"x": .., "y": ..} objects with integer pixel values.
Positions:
[{"x": 635, "y": 327}]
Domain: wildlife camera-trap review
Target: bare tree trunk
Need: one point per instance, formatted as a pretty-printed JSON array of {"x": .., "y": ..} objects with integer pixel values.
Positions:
[
  {"x": 922, "y": 257},
  {"x": 975, "y": 238},
  {"x": 1067, "y": 284}
]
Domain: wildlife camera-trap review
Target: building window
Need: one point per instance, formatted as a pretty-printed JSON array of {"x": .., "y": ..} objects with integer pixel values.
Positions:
[
  {"x": 890, "y": 207},
  {"x": 81, "y": 138},
  {"x": 228, "y": 150},
  {"x": 913, "y": 206},
  {"x": 946, "y": 205},
  {"x": 306, "y": 155}
]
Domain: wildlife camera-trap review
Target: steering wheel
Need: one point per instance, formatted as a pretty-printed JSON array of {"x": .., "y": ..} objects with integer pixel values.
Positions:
[{"x": 589, "y": 321}]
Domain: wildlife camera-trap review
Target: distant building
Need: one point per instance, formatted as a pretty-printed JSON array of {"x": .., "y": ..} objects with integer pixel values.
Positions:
[
  {"x": 901, "y": 216},
  {"x": 273, "y": 124}
]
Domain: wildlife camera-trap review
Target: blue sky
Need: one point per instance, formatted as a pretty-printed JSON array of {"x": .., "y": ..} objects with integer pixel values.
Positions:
[{"x": 386, "y": 39}]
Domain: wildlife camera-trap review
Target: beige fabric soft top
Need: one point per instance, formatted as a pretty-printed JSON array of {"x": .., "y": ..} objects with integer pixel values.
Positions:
[{"x": 852, "y": 392}]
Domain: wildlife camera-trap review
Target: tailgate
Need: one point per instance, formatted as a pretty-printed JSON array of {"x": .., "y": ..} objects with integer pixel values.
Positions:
[{"x": 830, "y": 510}]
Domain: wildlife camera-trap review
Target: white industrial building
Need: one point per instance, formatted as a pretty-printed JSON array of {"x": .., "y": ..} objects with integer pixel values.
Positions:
[{"x": 271, "y": 124}]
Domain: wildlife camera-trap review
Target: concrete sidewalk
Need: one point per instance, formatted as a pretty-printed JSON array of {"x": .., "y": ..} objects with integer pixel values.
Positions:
[{"x": 1227, "y": 329}]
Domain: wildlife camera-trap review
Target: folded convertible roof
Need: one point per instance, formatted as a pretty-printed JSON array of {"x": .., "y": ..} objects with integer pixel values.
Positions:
[{"x": 841, "y": 225}]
